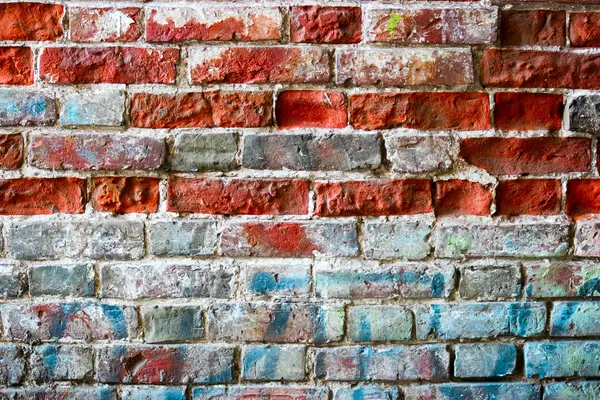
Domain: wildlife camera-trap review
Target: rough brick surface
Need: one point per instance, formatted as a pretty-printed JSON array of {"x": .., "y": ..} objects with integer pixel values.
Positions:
[
  {"x": 533, "y": 27},
  {"x": 527, "y": 111},
  {"x": 314, "y": 24},
  {"x": 16, "y": 66},
  {"x": 528, "y": 196},
  {"x": 105, "y": 24},
  {"x": 306, "y": 109}
]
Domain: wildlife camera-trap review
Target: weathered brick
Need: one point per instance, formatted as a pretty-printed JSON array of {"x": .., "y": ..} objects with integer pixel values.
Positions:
[
  {"x": 584, "y": 29},
  {"x": 315, "y": 24},
  {"x": 328, "y": 152},
  {"x": 152, "y": 392},
  {"x": 73, "y": 321},
  {"x": 425, "y": 111},
  {"x": 96, "y": 151},
  {"x": 366, "y": 392},
  {"x": 379, "y": 323},
  {"x": 528, "y": 111},
  {"x": 583, "y": 197},
  {"x": 451, "y": 391},
  {"x": 164, "y": 324},
  {"x": 52, "y": 362},
  {"x": 11, "y": 151},
  {"x": 60, "y": 391},
  {"x": 157, "y": 280},
  {"x": 486, "y": 281},
  {"x": 459, "y": 197},
  {"x": 484, "y": 360},
  {"x": 584, "y": 114},
  {"x": 106, "y": 24},
  {"x": 12, "y": 280},
  {"x": 95, "y": 239},
  {"x": 190, "y": 363},
  {"x": 273, "y": 362},
  {"x": 528, "y": 196},
  {"x": 420, "y": 154},
  {"x": 258, "y": 65},
  {"x": 540, "y": 69},
  {"x": 575, "y": 318},
  {"x": 25, "y": 196},
  {"x": 289, "y": 239},
  {"x": 204, "y": 152},
  {"x": 183, "y": 238},
  {"x": 404, "y": 238},
  {"x": 277, "y": 278},
  {"x": 587, "y": 238},
  {"x": 31, "y": 21},
  {"x": 479, "y": 320},
  {"x": 275, "y": 322},
  {"x": 562, "y": 280},
  {"x": 391, "y": 363},
  {"x": 166, "y": 24},
  {"x": 100, "y": 107},
  {"x": 125, "y": 195},
  {"x": 484, "y": 238},
  {"x": 16, "y": 66},
  {"x": 366, "y": 279},
  {"x": 108, "y": 65},
  {"x": 532, "y": 27},
  {"x": 562, "y": 359},
  {"x": 535, "y": 155},
  {"x": 405, "y": 67},
  {"x": 26, "y": 108},
  {"x": 61, "y": 280},
  {"x": 262, "y": 392},
  {"x": 311, "y": 109},
  {"x": 571, "y": 390},
  {"x": 446, "y": 25},
  {"x": 12, "y": 364}
]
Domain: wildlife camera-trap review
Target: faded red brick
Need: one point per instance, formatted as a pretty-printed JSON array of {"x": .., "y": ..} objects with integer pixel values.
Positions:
[
  {"x": 26, "y": 196},
  {"x": 125, "y": 195},
  {"x": 259, "y": 65},
  {"x": 11, "y": 151},
  {"x": 31, "y": 21},
  {"x": 528, "y": 111},
  {"x": 311, "y": 109},
  {"x": 202, "y": 110},
  {"x": 423, "y": 110},
  {"x": 108, "y": 65},
  {"x": 584, "y": 29},
  {"x": 583, "y": 197},
  {"x": 528, "y": 196},
  {"x": 213, "y": 23},
  {"x": 16, "y": 66},
  {"x": 540, "y": 69},
  {"x": 105, "y": 24},
  {"x": 315, "y": 24},
  {"x": 532, "y": 27},
  {"x": 539, "y": 155},
  {"x": 373, "y": 198},
  {"x": 458, "y": 197},
  {"x": 238, "y": 196}
]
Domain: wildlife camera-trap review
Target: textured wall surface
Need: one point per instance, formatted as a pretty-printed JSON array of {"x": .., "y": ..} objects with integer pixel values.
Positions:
[{"x": 277, "y": 200}]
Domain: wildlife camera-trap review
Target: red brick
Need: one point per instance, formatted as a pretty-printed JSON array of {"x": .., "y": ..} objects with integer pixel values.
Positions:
[
  {"x": 393, "y": 197},
  {"x": 311, "y": 109},
  {"x": 540, "y": 69},
  {"x": 100, "y": 24},
  {"x": 31, "y": 21},
  {"x": 315, "y": 24},
  {"x": 458, "y": 197},
  {"x": 515, "y": 156},
  {"x": 108, "y": 65},
  {"x": 16, "y": 66},
  {"x": 27, "y": 196},
  {"x": 583, "y": 197},
  {"x": 238, "y": 196},
  {"x": 528, "y": 196},
  {"x": 532, "y": 27},
  {"x": 125, "y": 195},
  {"x": 259, "y": 65},
  {"x": 202, "y": 110},
  {"x": 11, "y": 151},
  {"x": 528, "y": 111},
  {"x": 426, "y": 111},
  {"x": 584, "y": 29}
]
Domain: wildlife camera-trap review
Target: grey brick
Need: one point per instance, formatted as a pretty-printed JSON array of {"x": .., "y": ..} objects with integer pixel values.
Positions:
[
  {"x": 405, "y": 239},
  {"x": 490, "y": 282},
  {"x": 61, "y": 362},
  {"x": 584, "y": 114},
  {"x": 419, "y": 154},
  {"x": 183, "y": 238},
  {"x": 204, "y": 152},
  {"x": 62, "y": 280}
]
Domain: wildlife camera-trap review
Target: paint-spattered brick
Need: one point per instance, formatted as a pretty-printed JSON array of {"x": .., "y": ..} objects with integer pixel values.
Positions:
[
  {"x": 532, "y": 27},
  {"x": 99, "y": 107},
  {"x": 275, "y": 322},
  {"x": 158, "y": 280},
  {"x": 587, "y": 240},
  {"x": 61, "y": 280},
  {"x": 61, "y": 391},
  {"x": 53, "y": 362},
  {"x": 152, "y": 392},
  {"x": 273, "y": 363},
  {"x": 31, "y": 21},
  {"x": 379, "y": 323},
  {"x": 101, "y": 239},
  {"x": 401, "y": 238},
  {"x": 367, "y": 279},
  {"x": 164, "y": 324},
  {"x": 328, "y": 152},
  {"x": 178, "y": 24},
  {"x": 258, "y": 65},
  {"x": 315, "y": 24},
  {"x": 404, "y": 67},
  {"x": 479, "y": 320},
  {"x": 405, "y": 363},
  {"x": 289, "y": 239},
  {"x": 584, "y": 114},
  {"x": 12, "y": 364},
  {"x": 562, "y": 280},
  {"x": 183, "y": 238},
  {"x": 204, "y": 152},
  {"x": 55, "y": 321},
  {"x": 486, "y": 238},
  {"x": 311, "y": 109},
  {"x": 484, "y": 360},
  {"x": 12, "y": 280},
  {"x": 420, "y": 154},
  {"x": 164, "y": 364},
  {"x": 575, "y": 318},
  {"x": 366, "y": 392},
  {"x": 489, "y": 281},
  {"x": 571, "y": 390},
  {"x": 120, "y": 195},
  {"x": 263, "y": 392},
  {"x": 26, "y": 108},
  {"x": 105, "y": 24},
  {"x": 11, "y": 151},
  {"x": 455, "y": 197},
  {"x": 452, "y": 391},
  {"x": 562, "y": 359},
  {"x": 16, "y": 66},
  {"x": 277, "y": 278}
]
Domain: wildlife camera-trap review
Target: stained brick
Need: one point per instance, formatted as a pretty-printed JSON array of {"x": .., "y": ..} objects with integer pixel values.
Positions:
[
  {"x": 584, "y": 29},
  {"x": 315, "y": 24},
  {"x": 105, "y": 24},
  {"x": 533, "y": 27}
]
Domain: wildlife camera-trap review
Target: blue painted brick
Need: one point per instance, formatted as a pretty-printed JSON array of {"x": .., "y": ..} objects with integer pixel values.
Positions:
[
  {"x": 19, "y": 107},
  {"x": 574, "y": 318},
  {"x": 277, "y": 278},
  {"x": 61, "y": 362},
  {"x": 562, "y": 359},
  {"x": 100, "y": 106},
  {"x": 366, "y": 393},
  {"x": 273, "y": 363},
  {"x": 572, "y": 391},
  {"x": 153, "y": 393},
  {"x": 484, "y": 360},
  {"x": 379, "y": 323},
  {"x": 474, "y": 391},
  {"x": 172, "y": 323}
]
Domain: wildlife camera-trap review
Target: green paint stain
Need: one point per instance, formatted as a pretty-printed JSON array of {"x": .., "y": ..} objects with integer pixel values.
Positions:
[
  {"x": 459, "y": 244},
  {"x": 392, "y": 26}
]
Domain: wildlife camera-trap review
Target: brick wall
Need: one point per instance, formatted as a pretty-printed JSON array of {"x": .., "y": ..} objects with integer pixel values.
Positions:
[{"x": 278, "y": 200}]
